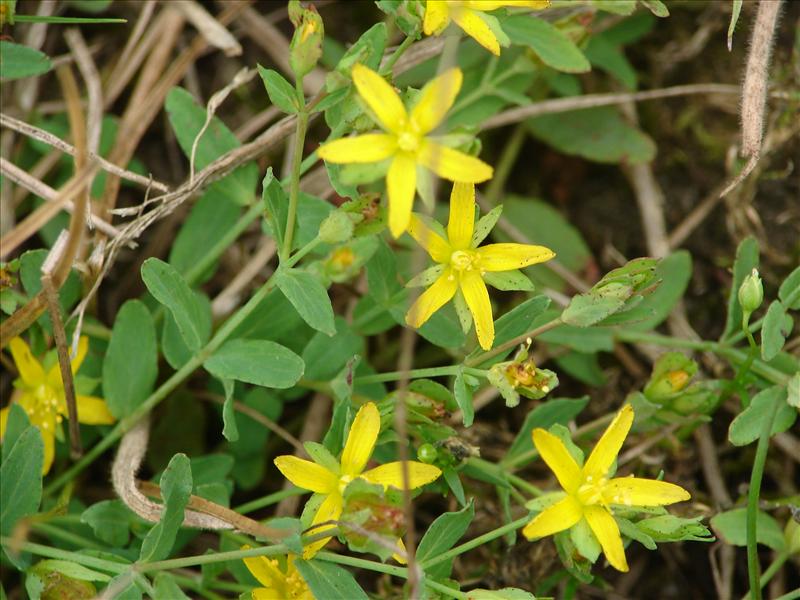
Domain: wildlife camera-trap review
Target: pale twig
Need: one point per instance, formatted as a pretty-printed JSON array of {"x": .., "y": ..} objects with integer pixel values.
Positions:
[
  {"x": 28, "y": 89},
  {"x": 41, "y": 189},
  {"x": 215, "y": 33},
  {"x": 242, "y": 77},
  {"x": 60, "y": 337},
  {"x": 48, "y": 138},
  {"x": 557, "y": 105},
  {"x": 256, "y": 123},
  {"x": 94, "y": 112}
]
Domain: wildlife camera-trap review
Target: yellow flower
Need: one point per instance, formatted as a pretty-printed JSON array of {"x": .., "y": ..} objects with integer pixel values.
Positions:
[
  {"x": 463, "y": 264},
  {"x": 41, "y": 395},
  {"x": 589, "y": 494},
  {"x": 330, "y": 481},
  {"x": 406, "y": 141},
  {"x": 467, "y": 15},
  {"x": 279, "y": 583}
]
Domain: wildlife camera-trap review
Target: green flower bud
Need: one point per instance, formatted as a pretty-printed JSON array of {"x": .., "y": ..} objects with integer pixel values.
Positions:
[
  {"x": 336, "y": 228},
  {"x": 751, "y": 293},
  {"x": 427, "y": 453},
  {"x": 306, "y": 47}
]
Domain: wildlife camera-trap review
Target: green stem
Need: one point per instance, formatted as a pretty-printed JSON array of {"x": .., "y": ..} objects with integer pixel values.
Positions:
[
  {"x": 413, "y": 374},
  {"x": 505, "y": 163},
  {"x": 398, "y": 52},
  {"x": 793, "y": 595},
  {"x": 48, "y": 552},
  {"x": 198, "y": 588},
  {"x": 258, "y": 503},
  {"x": 481, "y": 358},
  {"x": 447, "y": 591},
  {"x": 57, "y": 533},
  {"x": 759, "y": 461},
  {"x": 474, "y": 543},
  {"x": 361, "y": 563},
  {"x": 204, "y": 559},
  {"x": 294, "y": 183},
  {"x": 770, "y": 571}
]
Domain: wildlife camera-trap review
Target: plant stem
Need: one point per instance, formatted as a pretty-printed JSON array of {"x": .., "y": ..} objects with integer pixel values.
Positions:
[
  {"x": 268, "y": 500},
  {"x": 398, "y": 52},
  {"x": 759, "y": 461},
  {"x": 413, "y": 374},
  {"x": 362, "y": 563},
  {"x": 533, "y": 333},
  {"x": 204, "y": 559},
  {"x": 294, "y": 183},
  {"x": 474, "y": 543},
  {"x": 223, "y": 333},
  {"x": 48, "y": 552}
]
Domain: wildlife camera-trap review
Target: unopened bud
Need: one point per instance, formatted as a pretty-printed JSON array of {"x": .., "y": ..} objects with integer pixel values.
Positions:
[
  {"x": 751, "y": 293},
  {"x": 306, "y": 47},
  {"x": 336, "y": 228}
]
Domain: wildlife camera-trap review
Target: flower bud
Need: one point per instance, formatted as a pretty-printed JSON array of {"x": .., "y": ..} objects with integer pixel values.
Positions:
[
  {"x": 336, "y": 228},
  {"x": 306, "y": 47},
  {"x": 751, "y": 293}
]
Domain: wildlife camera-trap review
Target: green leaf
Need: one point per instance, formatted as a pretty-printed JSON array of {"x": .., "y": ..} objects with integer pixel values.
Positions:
[
  {"x": 166, "y": 588},
  {"x": 442, "y": 535},
  {"x": 731, "y": 526},
  {"x": 789, "y": 292},
  {"x": 18, "y": 61},
  {"x": 125, "y": 587},
  {"x": 585, "y": 541},
  {"x": 746, "y": 427},
  {"x": 110, "y": 522},
  {"x": 309, "y": 298},
  {"x": 603, "y": 53},
  {"x": 509, "y": 281},
  {"x": 776, "y": 328},
  {"x": 173, "y": 346},
  {"x": 598, "y": 134},
  {"x": 176, "y": 487},
  {"x": 326, "y": 356},
  {"x": 746, "y": 261},
  {"x": 281, "y": 93},
  {"x": 17, "y": 422},
  {"x": 260, "y": 362},
  {"x": 544, "y": 416},
  {"x": 229, "y": 428},
  {"x": 30, "y": 274},
  {"x": 329, "y": 581},
  {"x": 736, "y": 9},
  {"x": 595, "y": 305},
  {"x": 548, "y": 42},
  {"x": 793, "y": 391},
  {"x": 71, "y": 569},
  {"x": 618, "y": 7},
  {"x": 170, "y": 289},
  {"x": 507, "y": 593},
  {"x": 463, "y": 395},
  {"x": 669, "y": 528},
  {"x": 130, "y": 367},
  {"x": 658, "y": 8},
  {"x": 276, "y": 204},
  {"x": 21, "y": 474},
  {"x": 215, "y": 212},
  {"x": 187, "y": 119}
]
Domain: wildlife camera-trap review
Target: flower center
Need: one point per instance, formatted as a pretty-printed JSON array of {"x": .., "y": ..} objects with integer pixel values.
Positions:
[
  {"x": 591, "y": 491},
  {"x": 343, "y": 481},
  {"x": 463, "y": 260},
  {"x": 408, "y": 141}
]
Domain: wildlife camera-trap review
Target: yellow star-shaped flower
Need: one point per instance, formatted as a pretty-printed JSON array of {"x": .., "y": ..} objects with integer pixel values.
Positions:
[
  {"x": 589, "y": 493},
  {"x": 280, "y": 583},
  {"x": 41, "y": 395},
  {"x": 463, "y": 263},
  {"x": 331, "y": 482},
  {"x": 406, "y": 140},
  {"x": 467, "y": 15}
]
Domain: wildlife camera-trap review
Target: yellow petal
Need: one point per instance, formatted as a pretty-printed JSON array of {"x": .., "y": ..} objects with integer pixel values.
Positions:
[
  {"x": 54, "y": 374},
  {"x": 633, "y": 491},
  {"x": 401, "y": 185},
  {"x": 263, "y": 569},
  {"x": 475, "y": 27},
  {"x": 329, "y": 510},
  {"x": 3, "y": 421},
  {"x": 48, "y": 438},
  {"x": 381, "y": 98},
  {"x": 507, "y": 257},
  {"x": 391, "y": 474},
  {"x": 453, "y": 165},
  {"x": 488, "y": 5},
  {"x": 435, "y": 100},
  {"x": 606, "y": 531},
  {"x": 426, "y": 237},
  {"x": 436, "y": 17},
  {"x": 361, "y": 440},
  {"x": 607, "y": 448},
  {"x": 555, "y": 454},
  {"x": 397, "y": 556},
  {"x": 30, "y": 370},
  {"x": 462, "y": 215},
  {"x": 91, "y": 410},
  {"x": 267, "y": 594},
  {"x": 477, "y": 297},
  {"x": 306, "y": 474},
  {"x": 432, "y": 299},
  {"x": 367, "y": 148},
  {"x": 558, "y": 517}
]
